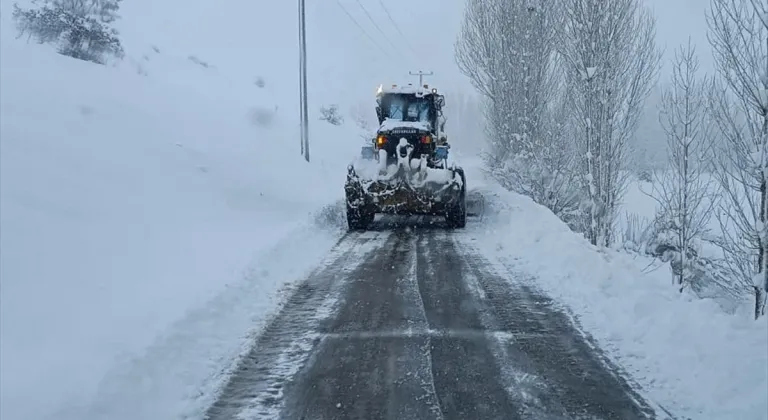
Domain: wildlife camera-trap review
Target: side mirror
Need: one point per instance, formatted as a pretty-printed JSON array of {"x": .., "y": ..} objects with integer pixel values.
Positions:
[{"x": 441, "y": 152}]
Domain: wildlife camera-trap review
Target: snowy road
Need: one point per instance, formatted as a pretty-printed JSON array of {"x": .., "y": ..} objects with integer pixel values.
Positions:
[{"x": 422, "y": 327}]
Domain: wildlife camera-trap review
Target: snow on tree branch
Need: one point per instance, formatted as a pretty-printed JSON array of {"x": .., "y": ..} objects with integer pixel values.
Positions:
[
  {"x": 684, "y": 189},
  {"x": 507, "y": 49},
  {"x": 611, "y": 62},
  {"x": 80, "y": 28},
  {"x": 331, "y": 114},
  {"x": 738, "y": 33}
]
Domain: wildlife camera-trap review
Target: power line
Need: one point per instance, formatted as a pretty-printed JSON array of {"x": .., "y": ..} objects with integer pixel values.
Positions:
[
  {"x": 397, "y": 28},
  {"x": 361, "y": 29},
  {"x": 376, "y": 25}
]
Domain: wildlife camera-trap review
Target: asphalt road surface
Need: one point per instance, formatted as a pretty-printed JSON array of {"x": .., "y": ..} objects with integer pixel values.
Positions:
[{"x": 411, "y": 322}]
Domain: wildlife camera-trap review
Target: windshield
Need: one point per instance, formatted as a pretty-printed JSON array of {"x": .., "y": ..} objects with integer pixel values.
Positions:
[{"x": 407, "y": 108}]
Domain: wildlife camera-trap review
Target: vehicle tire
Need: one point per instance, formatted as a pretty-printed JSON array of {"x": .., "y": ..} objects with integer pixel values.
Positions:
[
  {"x": 358, "y": 219},
  {"x": 456, "y": 216}
]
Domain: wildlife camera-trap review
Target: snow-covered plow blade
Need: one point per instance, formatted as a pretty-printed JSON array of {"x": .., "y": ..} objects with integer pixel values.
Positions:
[{"x": 404, "y": 189}]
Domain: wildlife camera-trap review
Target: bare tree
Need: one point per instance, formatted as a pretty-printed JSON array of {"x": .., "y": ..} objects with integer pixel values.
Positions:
[
  {"x": 478, "y": 57},
  {"x": 80, "y": 28},
  {"x": 547, "y": 175},
  {"x": 683, "y": 189},
  {"x": 104, "y": 10},
  {"x": 611, "y": 61},
  {"x": 507, "y": 49},
  {"x": 516, "y": 67},
  {"x": 738, "y": 33},
  {"x": 331, "y": 114}
]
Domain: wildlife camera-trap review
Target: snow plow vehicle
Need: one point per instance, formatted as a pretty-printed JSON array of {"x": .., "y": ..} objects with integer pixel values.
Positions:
[{"x": 405, "y": 170}]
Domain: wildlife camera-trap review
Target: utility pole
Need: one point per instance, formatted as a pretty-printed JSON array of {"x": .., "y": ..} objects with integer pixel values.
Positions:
[
  {"x": 421, "y": 75},
  {"x": 303, "y": 82}
]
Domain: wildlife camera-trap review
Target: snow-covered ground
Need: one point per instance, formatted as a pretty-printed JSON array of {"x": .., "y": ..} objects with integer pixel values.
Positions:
[
  {"x": 689, "y": 356},
  {"x": 152, "y": 214},
  {"x": 637, "y": 211},
  {"x": 140, "y": 218}
]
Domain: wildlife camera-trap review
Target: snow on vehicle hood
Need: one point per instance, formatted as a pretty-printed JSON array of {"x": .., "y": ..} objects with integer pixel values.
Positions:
[{"x": 390, "y": 124}]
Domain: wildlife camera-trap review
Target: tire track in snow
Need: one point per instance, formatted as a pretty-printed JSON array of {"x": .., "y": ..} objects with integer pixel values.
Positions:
[
  {"x": 255, "y": 389},
  {"x": 424, "y": 327},
  {"x": 359, "y": 371},
  {"x": 527, "y": 388},
  {"x": 466, "y": 373},
  {"x": 579, "y": 384},
  {"x": 425, "y": 365},
  {"x": 505, "y": 267}
]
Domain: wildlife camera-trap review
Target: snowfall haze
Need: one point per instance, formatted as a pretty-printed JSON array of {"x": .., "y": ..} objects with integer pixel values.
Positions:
[{"x": 156, "y": 215}]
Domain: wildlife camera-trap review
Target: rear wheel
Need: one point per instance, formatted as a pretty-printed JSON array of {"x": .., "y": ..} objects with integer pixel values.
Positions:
[
  {"x": 358, "y": 215},
  {"x": 456, "y": 216},
  {"x": 358, "y": 219}
]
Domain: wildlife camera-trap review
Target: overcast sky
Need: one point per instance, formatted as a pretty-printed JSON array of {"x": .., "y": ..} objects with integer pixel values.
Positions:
[
  {"x": 350, "y": 53},
  {"x": 679, "y": 19},
  {"x": 247, "y": 34},
  {"x": 431, "y": 27}
]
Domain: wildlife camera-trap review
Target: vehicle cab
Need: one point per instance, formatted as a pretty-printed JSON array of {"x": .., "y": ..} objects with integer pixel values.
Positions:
[{"x": 413, "y": 113}]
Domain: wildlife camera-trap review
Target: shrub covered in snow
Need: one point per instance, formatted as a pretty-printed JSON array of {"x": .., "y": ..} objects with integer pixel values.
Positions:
[
  {"x": 74, "y": 33},
  {"x": 547, "y": 179},
  {"x": 635, "y": 231},
  {"x": 331, "y": 114},
  {"x": 704, "y": 275}
]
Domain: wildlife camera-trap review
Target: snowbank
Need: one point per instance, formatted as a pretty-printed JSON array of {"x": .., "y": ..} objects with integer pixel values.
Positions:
[
  {"x": 133, "y": 213},
  {"x": 690, "y": 357}
]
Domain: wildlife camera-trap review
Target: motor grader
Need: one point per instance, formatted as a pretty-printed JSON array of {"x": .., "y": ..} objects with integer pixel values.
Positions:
[{"x": 406, "y": 170}]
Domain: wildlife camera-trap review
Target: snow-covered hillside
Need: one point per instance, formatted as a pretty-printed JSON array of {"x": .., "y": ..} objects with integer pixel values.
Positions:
[
  {"x": 136, "y": 214},
  {"x": 140, "y": 202}
]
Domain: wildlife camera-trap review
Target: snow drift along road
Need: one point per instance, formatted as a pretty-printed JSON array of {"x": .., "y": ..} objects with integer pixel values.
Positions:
[
  {"x": 128, "y": 205},
  {"x": 686, "y": 353}
]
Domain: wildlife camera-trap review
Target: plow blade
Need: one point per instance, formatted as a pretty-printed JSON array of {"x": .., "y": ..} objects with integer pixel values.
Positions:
[
  {"x": 436, "y": 192},
  {"x": 402, "y": 198}
]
